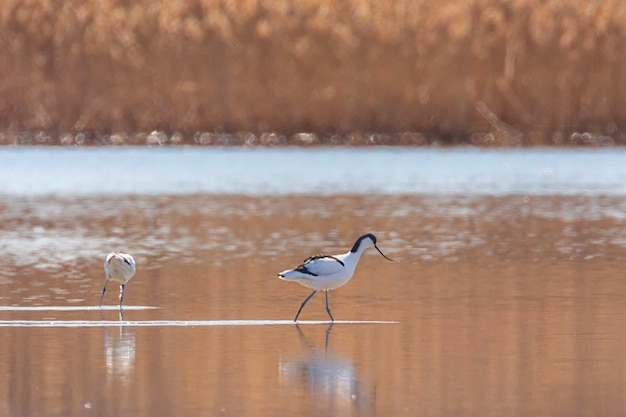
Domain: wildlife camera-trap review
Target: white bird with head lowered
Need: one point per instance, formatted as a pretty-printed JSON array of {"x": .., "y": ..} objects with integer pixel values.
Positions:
[{"x": 119, "y": 267}]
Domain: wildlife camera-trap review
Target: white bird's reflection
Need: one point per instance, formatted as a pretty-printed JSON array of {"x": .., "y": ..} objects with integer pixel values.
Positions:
[
  {"x": 331, "y": 379},
  {"x": 119, "y": 351}
]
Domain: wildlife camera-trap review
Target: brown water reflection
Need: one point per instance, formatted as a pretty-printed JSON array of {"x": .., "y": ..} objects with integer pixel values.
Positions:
[{"x": 506, "y": 306}]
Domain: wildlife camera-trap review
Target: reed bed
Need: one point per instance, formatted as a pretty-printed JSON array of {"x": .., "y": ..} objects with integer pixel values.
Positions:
[{"x": 198, "y": 71}]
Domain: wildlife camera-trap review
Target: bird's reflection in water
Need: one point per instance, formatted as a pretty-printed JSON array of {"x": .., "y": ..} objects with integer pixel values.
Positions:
[
  {"x": 119, "y": 351},
  {"x": 331, "y": 379}
]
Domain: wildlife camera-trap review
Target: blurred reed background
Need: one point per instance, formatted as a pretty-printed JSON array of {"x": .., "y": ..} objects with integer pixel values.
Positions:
[{"x": 352, "y": 72}]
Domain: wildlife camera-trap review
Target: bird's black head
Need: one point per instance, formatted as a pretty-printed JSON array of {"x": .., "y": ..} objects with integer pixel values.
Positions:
[
  {"x": 357, "y": 244},
  {"x": 365, "y": 240}
]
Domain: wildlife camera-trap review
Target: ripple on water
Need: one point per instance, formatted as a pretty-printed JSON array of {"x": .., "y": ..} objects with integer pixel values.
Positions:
[{"x": 66, "y": 239}]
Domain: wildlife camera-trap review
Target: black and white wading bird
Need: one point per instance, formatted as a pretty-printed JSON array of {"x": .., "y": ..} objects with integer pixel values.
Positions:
[
  {"x": 118, "y": 267},
  {"x": 327, "y": 272}
]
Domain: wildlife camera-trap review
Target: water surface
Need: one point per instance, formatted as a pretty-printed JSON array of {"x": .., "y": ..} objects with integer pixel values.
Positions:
[
  {"x": 271, "y": 171},
  {"x": 503, "y": 302}
]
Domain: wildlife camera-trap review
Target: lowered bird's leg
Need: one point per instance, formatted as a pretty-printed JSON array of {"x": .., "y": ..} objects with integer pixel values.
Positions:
[
  {"x": 121, "y": 294},
  {"x": 328, "y": 308},
  {"x": 306, "y": 300},
  {"x": 103, "y": 291}
]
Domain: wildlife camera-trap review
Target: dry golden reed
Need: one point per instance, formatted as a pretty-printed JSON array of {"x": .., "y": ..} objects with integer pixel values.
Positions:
[{"x": 485, "y": 71}]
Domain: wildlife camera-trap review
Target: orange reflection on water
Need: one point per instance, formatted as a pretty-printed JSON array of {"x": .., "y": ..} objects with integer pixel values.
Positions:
[{"x": 505, "y": 306}]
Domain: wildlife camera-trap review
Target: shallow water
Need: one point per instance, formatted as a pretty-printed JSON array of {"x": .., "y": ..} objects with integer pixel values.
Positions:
[{"x": 501, "y": 304}]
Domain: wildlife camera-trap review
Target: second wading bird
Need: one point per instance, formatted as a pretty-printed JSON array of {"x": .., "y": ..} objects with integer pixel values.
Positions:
[
  {"x": 119, "y": 267},
  {"x": 327, "y": 272}
]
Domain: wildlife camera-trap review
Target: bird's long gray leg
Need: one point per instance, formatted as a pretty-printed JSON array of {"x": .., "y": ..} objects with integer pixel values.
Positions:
[
  {"x": 103, "y": 291},
  {"x": 121, "y": 294},
  {"x": 328, "y": 308},
  {"x": 306, "y": 300}
]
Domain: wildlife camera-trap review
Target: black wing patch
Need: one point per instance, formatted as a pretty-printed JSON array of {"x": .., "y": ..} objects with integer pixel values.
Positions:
[{"x": 302, "y": 268}]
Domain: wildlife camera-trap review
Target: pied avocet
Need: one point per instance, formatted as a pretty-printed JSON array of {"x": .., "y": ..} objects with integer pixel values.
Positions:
[
  {"x": 327, "y": 272},
  {"x": 119, "y": 267}
]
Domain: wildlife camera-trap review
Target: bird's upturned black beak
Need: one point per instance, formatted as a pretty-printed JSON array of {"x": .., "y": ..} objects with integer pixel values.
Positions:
[{"x": 385, "y": 256}]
